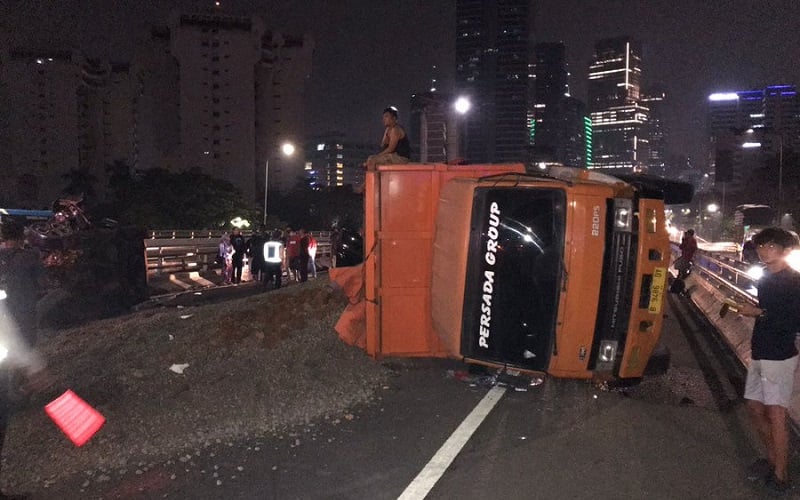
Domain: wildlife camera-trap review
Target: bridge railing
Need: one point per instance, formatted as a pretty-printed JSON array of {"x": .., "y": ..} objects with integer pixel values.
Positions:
[
  {"x": 726, "y": 272},
  {"x": 175, "y": 251},
  {"x": 187, "y": 250}
]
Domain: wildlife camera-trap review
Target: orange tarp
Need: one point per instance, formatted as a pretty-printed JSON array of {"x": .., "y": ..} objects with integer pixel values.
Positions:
[{"x": 351, "y": 326}]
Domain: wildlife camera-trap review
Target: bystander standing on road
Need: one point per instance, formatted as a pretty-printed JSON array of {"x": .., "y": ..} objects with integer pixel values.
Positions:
[
  {"x": 303, "y": 262},
  {"x": 255, "y": 253},
  {"x": 21, "y": 275},
  {"x": 226, "y": 258},
  {"x": 688, "y": 248},
  {"x": 312, "y": 254},
  {"x": 336, "y": 239},
  {"x": 273, "y": 259},
  {"x": 239, "y": 244},
  {"x": 293, "y": 254},
  {"x": 771, "y": 373}
]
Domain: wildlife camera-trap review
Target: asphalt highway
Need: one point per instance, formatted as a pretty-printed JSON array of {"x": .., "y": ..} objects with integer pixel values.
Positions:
[{"x": 432, "y": 434}]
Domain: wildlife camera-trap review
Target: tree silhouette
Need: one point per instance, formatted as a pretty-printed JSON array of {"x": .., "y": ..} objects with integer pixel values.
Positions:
[
  {"x": 159, "y": 199},
  {"x": 80, "y": 182}
]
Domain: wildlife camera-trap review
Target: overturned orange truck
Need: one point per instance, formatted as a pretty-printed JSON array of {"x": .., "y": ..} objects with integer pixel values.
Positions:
[{"x": 562, "y": 271}]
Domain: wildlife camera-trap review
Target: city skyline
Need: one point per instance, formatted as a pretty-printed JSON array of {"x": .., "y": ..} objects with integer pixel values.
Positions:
[{"x": 366, "y": 59}]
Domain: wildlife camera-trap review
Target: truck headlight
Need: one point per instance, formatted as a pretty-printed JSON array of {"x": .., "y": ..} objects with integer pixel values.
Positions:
[
  {"x": 3, "y": 294},
  {"x": 608, "y": 351},
  {"x": 623, "y": 215},
  {"x": 3, "y": 353}
]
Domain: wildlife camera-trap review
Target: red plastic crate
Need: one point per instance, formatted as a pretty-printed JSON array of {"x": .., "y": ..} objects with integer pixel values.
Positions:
[{"x": 75, "y": 417}]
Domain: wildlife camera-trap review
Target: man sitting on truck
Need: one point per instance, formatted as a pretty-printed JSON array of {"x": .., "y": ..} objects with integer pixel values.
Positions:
[{"x": 395, "y": 146}]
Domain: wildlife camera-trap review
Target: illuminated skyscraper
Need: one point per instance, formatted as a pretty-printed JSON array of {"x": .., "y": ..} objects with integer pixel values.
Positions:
[
  {"x": 559, "y": 130},
  {"x": 574, "y": 133},
  {"x": 746, "y": 126},
  {"x": 655, "y": 100},
  {"x": 492, "y": 58},
  {"x": 618, "y": 117},
  {"x": 331, "y": 162},
  {"x": 550, "y": 87}
]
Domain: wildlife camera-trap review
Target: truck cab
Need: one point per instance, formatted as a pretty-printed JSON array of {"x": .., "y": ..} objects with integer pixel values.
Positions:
[{"x": 561, "y": 271}]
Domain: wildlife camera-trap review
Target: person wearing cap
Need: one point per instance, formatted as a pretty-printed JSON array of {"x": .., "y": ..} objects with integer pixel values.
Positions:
[{"x": 395, "y": 146}]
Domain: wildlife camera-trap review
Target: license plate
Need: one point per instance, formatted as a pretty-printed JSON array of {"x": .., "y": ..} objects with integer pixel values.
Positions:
[{"x": 657, "y": 289}]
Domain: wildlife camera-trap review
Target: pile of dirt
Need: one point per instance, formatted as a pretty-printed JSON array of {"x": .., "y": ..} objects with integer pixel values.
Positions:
[{"x": 256, "y": 366}]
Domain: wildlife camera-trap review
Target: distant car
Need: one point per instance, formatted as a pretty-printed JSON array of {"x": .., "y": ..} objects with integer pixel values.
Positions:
[
  {"x": 351, "y": 249},
  {"x": 749, "y": 254}
]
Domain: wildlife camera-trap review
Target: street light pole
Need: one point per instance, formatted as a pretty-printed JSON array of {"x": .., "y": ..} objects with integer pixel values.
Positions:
[
  {"x": 462, "y": 107},
  {"x": 266, "y": 185},
  {"x": 780, "y": 179},
  {"x": 287, "y": 148}
]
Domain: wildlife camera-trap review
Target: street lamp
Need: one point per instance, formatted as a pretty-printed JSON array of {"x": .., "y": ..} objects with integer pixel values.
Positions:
[
  {"x": 287, "y": 148},
  {"x": 462, "y": 105},
  {"x": 712, "y": 209}
]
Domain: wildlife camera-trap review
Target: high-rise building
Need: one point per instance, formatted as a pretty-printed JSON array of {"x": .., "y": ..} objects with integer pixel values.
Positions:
[
  {"x": 282, "y": 76},
  {"x": 550, "y": 87},
  {"x": 747, "y": 126},
  {"x": 332, "y": 162},
  {"x": 64, "y": 118},
  {"x": 618, "y": 117},
  {"x": 241, "y": 97},
  {"x": 234, "y": 92},
  {"x": 492, "y": 59},
  {"x": 156, "y": 104},
  {"x": 209, "y": 91},
  {"x": 574, "y": 144},
  {"x": 559, "y": 131},
  {"x": 737, "y": 110},
  {"x": 217, "y": 56},
  {"x": 430, "y": 126},
  {"x": 782, "y": 115},
  {"x": 655, "y": 100}
]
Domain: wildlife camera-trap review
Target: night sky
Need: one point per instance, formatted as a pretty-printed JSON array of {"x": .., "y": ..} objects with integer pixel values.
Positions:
[{"x": 372, "y": 53}]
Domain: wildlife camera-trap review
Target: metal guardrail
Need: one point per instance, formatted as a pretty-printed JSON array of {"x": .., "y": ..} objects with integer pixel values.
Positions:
[
  {"x": 182, "y": 234},
  {"x": 192, "y": 250},
  {"x": 726, "y": 272},
  {"x": 185, "y": 251}
]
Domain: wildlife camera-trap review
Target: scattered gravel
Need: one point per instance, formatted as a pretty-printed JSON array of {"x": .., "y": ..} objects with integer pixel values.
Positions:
[
  {"x": 679, "y": 386},
  {"x": 257, "y": 366}
]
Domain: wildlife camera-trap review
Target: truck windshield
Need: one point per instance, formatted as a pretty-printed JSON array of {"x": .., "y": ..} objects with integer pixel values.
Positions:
[{"x": 514, "y": 275}]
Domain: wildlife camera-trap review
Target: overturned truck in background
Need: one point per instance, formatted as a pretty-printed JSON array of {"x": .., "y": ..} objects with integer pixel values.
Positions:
[{"x": 562, "y": 271}]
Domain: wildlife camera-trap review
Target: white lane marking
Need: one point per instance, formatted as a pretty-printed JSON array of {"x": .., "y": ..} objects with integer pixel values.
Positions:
[{"x": 434, "y": 470}]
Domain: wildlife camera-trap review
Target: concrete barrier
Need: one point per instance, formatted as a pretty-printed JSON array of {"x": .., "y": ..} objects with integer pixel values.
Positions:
[{"x": 736, "y": 330}]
